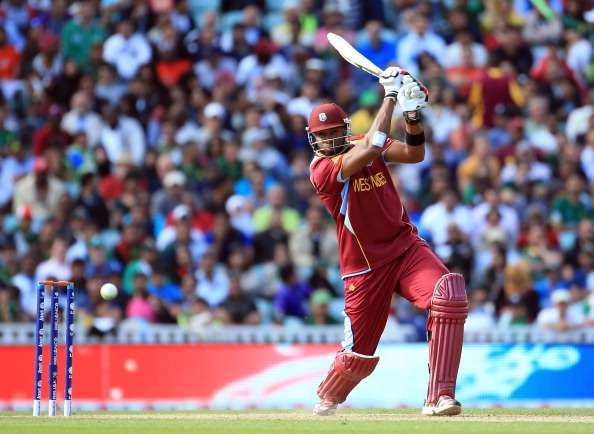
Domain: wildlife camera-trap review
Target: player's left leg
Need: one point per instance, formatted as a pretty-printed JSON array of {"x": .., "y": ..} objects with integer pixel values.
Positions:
[
  {"x": 427, "y": 283},
  {"x": 367, "y": 307}
]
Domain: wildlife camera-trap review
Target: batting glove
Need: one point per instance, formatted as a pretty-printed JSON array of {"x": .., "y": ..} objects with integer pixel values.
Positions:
[
  {"x": 412, "y": 97},
  {"x": 391, "y": 79}
]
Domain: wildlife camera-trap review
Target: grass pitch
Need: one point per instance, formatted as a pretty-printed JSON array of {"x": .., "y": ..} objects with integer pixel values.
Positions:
[{"x": 507, "y": 420}]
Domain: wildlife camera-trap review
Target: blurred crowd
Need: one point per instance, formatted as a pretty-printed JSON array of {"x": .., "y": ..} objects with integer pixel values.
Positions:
[{"x": 160, "y": 145}]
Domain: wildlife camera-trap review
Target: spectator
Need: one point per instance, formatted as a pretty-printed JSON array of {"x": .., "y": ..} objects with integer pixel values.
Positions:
[
  {"x": 9, "y": 58},
  {"x": 251, "y": 68},
  {"x": 297, "y": 26},
  {"x": 257, "y": 146},
  {"x": 141, "y": 306},
  {"x": 265, "y": 241},
  {"x": 55, "y": 266},
  {"x": 569, "y": 209},
  {"x": 212, "y": 281},
  {"x": 518, "y": 303},
  {"x": 314, "y": 242},
  {"x": 108, "y": 86},
  {"x": 481, "y": 315},
  {"x": 161, "y": 287},
  {"x": 289, "y": 217},
  {"x": 51, "y": 133},
  {"x": 480, "y": 169},
  {"x": 165, "y": 200},
  {"x": 127, "y": 50},
  {"x": 98, "y": 262},
  {"x": 560, "y": 316},
  {"x": 213, "y": 67},
  {"x": 48, "y": 63},
  {"x": 200, "y": 314},
  {"x": 319, "y": 308},
  {"x": 464, "y": 43},
  {"x": 436, "y": 218},
  {"x": 39, "y": 191},
  {"x": 238, "y": 307},
  {"x": 25, "y": 281},
  {"x": 292, "y": 295},
  {"x": 81, "y": 119},
  {"x": 333, "y": 20},
  {"x": 181, "y": 233},
  {"x": 80, "y": 34},
  {"x": 418, "y": 40},
  {"x": 378, "y": 46},
  {"x": 121, "y": 136},
  {"x": 579, "y": 54},
  {"x": 10, "y": 309}
]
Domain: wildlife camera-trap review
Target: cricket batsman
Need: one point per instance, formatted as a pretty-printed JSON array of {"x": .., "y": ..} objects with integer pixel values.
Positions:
[{"x": 380, "y": 250}]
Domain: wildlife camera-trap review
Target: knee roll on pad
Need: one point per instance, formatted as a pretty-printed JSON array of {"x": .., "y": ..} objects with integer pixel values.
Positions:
[
  {"x": 347, "y": 370},
  {"x": 449, "y": 298}
]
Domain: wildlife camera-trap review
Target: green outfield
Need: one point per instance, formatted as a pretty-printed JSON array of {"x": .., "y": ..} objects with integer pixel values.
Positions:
[{"x": 539, "y": 421}]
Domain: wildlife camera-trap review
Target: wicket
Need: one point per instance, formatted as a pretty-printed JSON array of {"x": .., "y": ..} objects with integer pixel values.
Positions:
[{"x": 69, "y": 313}]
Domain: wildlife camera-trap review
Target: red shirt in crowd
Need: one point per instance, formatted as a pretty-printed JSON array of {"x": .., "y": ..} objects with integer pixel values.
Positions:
[{"x": 9, "y": 62}]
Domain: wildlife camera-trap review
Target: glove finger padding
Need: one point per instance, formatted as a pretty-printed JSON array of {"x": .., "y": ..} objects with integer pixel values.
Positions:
[
  {"x": 391, "y": 80},
  {"x": 412, "y": 97},
  {"x": 417, "y": 93},
  {"x": 392, "y": 71}
]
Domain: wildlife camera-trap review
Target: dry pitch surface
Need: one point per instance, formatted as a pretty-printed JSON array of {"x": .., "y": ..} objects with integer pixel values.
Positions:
[{"x": 539, "y": 421}]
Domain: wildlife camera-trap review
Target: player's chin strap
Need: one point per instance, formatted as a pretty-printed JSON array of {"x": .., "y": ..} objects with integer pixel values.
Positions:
[
  {"x": 347, "y": 370},
  {"x": 448, "y": 311},
  {"x": 333, "y": 149}
]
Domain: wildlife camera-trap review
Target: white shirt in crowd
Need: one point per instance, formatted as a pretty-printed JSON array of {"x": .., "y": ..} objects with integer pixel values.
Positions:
[
  {"x": 552, "y": 315},
  {"x": 454, "y": 54},
  {"x": 587, "y": 160},
  {"x": 10, "y": 168},
  {"x": 250, "y": 72},
  {"x": 28, "y": 292},
  {"x": 579, "y": 55},
  {"x": 127, "y": 55},
  {"x": 214, "y": 289},
  {"x": 413, "y": 44},
  {"x": 53, "y": 268},
  {"x": 89, "y": 123},
  {"x": 126, "y": 138},
  {"x": 509, "y": 218},
  {"x": 436, "y": 219}
]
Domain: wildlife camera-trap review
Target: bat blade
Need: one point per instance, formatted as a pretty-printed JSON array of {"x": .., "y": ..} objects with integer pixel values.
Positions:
[{"x": 351, "y": 55}]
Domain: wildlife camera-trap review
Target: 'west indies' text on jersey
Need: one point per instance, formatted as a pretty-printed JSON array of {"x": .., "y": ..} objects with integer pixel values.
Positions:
[{"x": 372, "y": 225}]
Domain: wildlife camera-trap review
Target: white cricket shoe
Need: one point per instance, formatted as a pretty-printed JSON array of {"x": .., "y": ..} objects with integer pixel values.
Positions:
[
  {"x": 446, "y": 406},
  {"x": 325, "y": 408}
]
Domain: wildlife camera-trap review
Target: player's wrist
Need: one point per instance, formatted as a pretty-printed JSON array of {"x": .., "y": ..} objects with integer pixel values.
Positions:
[
  {"x": 412, "y": 117},
  {"x": 391, "y": 94}
]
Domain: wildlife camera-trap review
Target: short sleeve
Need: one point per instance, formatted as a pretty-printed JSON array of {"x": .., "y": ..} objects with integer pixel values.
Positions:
[{"x": 326, "y": 175}]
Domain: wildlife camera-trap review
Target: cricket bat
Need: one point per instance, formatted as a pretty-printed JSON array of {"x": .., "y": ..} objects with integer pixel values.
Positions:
[{"x": 351, "y": 55}]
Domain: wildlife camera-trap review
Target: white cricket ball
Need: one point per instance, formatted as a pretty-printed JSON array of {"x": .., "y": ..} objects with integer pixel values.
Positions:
[{"x": 108, "y": 291}]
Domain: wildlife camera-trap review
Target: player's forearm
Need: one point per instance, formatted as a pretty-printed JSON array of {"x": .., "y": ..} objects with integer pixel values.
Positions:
[
  {"x": 415, "y": 142},
  {"x": 361, "y": 155},
  {"x": 383, "y": 120}
]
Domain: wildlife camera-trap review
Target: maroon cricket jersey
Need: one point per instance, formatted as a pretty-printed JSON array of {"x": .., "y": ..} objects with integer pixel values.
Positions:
[{"x": 372, "y": 225}]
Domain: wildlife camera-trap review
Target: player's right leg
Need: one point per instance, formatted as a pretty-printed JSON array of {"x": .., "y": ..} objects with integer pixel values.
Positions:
[{"x": 367, "y": 306}]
